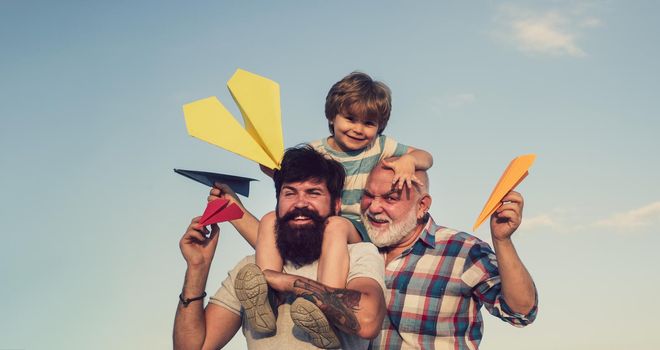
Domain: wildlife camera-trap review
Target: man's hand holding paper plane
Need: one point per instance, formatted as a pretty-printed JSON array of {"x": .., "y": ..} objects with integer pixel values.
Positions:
[{"x": 512, "y": 176}]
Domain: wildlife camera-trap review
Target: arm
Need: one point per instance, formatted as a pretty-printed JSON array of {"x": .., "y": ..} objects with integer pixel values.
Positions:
[
  {"x": 248, "y": 225},
  {"x": 190, "y": 322},
  {"x": 405, "y": 166},
  {"x": 222, "y": 325},
  {"x": 423, "y": 160},
  {"x": 267, "y": 255},
  {"x": 517, "y": 286},
  {"x": 359, "y": 309}
]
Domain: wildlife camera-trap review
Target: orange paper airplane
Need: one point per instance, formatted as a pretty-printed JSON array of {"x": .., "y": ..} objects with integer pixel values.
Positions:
[{"x": 512, "y": 176}]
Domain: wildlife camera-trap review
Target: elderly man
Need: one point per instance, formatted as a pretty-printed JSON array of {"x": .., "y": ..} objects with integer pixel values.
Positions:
[
  {"x": 308, "y": 188},
  {"x": 437, "y": 278}
]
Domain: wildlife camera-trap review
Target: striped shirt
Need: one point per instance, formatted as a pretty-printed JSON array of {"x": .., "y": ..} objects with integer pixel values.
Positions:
[
  {"x": 435, "y": 291},
  {"x": 358, "y": 165}
]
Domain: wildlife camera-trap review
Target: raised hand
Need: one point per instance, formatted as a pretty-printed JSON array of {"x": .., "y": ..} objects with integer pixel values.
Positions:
[
  {"x": 506, "y": 219},
  {"x": 198, "y": 244},
  {"x": 220, "y": 190},
  {"x": 404, "y": 171}
]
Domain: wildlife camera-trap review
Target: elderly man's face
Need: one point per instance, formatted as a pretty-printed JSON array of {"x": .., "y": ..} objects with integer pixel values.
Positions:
[{"x": 388, "y": 214}]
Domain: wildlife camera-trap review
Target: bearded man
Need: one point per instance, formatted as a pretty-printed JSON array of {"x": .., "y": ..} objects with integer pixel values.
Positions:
[
  {"x": 438, "y": 278},
  {"x": 308, "y": 188}
]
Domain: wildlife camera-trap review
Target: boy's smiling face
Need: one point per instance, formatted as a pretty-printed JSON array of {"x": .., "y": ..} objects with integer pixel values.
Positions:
[{"x": 352, "y": 133}]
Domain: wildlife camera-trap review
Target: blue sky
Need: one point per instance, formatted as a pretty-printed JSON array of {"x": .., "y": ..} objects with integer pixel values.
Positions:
[{"x": 90, "y": 103}]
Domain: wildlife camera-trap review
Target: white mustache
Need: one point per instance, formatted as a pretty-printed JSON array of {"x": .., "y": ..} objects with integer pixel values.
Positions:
[{"x": 379, "y": 218}]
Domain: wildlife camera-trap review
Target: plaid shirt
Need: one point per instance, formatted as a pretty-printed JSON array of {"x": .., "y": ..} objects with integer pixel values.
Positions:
[{"x": 435, "y": 290}]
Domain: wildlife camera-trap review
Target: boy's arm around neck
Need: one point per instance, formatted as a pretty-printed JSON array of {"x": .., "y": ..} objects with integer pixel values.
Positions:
[{"x": 423, "y": 159}]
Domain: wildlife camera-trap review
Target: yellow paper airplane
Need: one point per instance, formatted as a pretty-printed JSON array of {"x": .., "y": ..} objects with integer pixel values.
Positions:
[
  {"x": 512, "y": 176},
  {"x": 258, "y": 99}
]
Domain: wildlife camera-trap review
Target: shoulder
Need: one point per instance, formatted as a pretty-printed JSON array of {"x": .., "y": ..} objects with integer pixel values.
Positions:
[
  {"x": 250, "y": 259},
  {"x": 363, "y": 249},
  {"x": 455, "y": 242},
  {"x": 366, "y": 261},
  {"x": 317, "y": 143},
  {"x": 445, "y": 233},
  {"x": 390, "y": 147},
  {"x": 225, "y": 296},
  {"x": 470, "y": 249}
]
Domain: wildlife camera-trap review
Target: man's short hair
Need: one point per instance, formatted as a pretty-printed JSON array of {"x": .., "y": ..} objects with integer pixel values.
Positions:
[
  {"x": 303, "y": 163},
  {"x": 358, "y": 93}
]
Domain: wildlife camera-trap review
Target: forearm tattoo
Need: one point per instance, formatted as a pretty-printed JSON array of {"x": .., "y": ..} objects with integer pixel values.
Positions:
[{"x": 338, "y": 305}]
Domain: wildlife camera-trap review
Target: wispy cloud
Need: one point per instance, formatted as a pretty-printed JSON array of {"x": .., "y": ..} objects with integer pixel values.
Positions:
[
  {"x": 637, "y": 218},
  {"x": 549, "y": 32},
  {"x": 540, "y": 221},
  {"x": 454, "y": 101},
  {"x": 591, "y": 22},
  {"x": 569, "y": 221}
]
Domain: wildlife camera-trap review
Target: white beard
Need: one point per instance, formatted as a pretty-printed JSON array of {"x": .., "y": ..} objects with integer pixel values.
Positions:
[{"x": 393, "y": 233}]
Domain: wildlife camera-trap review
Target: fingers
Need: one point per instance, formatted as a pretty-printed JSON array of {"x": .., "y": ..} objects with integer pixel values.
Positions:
[
  {"x": 397, "y": 182},
  {"x": 266, "y": 170},
  {"x": 513, "y": 197},
  {"x": 195, "y": 231},
  {"x": 508, "y": 207},
  {"x": 510, "y": 213},
  {"x": 197, "y": 235},
  {"x": 215, "y": 229},
  {"x": 216, "y": 192},
  {"x": 224, "y": 188},
  {"x": 221, "y": 190},
  {"x": 402, "y": 180},
  {"x": 512, "y": 204}
]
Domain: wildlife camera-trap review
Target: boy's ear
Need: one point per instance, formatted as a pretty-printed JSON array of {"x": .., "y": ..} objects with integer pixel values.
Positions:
[{"x": 338, "y": 205}]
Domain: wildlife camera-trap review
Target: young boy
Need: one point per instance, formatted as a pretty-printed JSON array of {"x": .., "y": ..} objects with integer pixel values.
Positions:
[{"x": 357, "y": 109}]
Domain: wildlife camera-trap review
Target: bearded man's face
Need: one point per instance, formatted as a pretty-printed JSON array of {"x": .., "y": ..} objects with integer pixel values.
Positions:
[{"x": 302, "y": 210}]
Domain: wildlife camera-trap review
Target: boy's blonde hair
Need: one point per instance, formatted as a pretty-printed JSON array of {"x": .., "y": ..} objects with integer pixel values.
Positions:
[{"x": 361, "y": 96}]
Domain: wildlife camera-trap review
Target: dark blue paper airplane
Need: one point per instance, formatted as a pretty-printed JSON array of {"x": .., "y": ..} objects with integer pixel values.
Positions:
[{"x": 240, "y": 185}]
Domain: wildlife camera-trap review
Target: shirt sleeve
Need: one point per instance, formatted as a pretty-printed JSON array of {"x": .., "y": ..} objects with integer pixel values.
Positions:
[
  {"x": 226, "y": 295},
  {"x": 482, "y": 275},
  {"x": 366, "y": 262},
  {"x": 391, "y": 148}
]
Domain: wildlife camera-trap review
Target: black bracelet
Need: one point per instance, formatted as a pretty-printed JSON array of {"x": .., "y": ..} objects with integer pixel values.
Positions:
[{"x": 185, "y": 302}]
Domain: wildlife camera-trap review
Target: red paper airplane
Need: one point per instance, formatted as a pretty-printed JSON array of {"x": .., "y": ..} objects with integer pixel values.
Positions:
[{"x": 220, "y": 210}]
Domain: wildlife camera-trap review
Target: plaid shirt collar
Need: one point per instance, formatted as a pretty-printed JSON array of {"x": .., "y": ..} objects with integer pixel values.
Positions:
[{"x": 427, "y": 236}]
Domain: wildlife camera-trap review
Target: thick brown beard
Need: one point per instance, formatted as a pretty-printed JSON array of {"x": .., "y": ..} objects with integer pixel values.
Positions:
[{"x": 300, "y": 245}]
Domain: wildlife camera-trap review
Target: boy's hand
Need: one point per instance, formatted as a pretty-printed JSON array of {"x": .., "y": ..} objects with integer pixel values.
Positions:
[
  {"x": 266, "y": 170},
  {"x": 404, "y": 171},
  {"x": 220, "y": 190}
]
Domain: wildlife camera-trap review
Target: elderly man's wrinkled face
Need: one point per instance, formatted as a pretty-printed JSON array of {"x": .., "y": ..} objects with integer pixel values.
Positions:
[{"x": 388, "y": 214}]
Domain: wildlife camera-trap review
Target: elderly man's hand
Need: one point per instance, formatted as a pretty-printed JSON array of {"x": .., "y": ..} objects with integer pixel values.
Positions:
[{"x": 507, "y": 217}]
